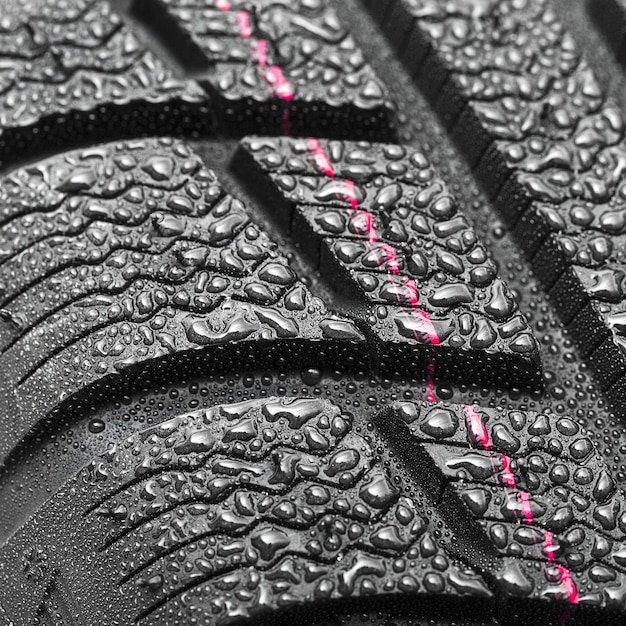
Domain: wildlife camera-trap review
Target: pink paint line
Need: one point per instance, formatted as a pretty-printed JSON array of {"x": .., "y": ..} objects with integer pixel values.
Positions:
[
  {"x": 548, "y": 548},
  {"x": 321, "y": 162},
  {"x": 280, "y": 85},
  {"x": 567, "y": 584},
  {"x": 319, "y": 159},
  {"x": 523, "y": 497},
  {"x": 272, "y": 76},
  {"x": 508, "y": 480},
  {"x": 478, "y": 437},
  {"x": 476, "y": 431},
  {"x": 243, "y": 22},
  {"x": 364, "y": 224},
  {"x": 350, "y": 196}
]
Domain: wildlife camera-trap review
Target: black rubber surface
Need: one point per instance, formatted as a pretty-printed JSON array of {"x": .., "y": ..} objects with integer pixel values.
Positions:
[{"x": 312, "y": 312}]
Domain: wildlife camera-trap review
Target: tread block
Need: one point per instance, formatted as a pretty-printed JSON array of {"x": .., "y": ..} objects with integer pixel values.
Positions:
[
  {"x": 536, "y": 487},
  {"x": 385, "y": 230},
  {"x": 238, "y": 512},
  {"x": 62, "y": 65},
  {"x": 279, "y": 68},
  {"x": 532, "y": 117},
  {"x": 132, "y": 253}
]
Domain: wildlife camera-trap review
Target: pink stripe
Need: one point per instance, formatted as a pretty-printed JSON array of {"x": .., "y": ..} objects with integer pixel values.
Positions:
[
  {"x": 261, "y": 52},
  {"x": 548, "y": 548},
  {"x": 322, "y": 163},
  {"x": 273, "y": 77},
  {"x": 478, "y": 437},
  {"x": 350, "y": 196},
  {"x": 433, "y": 339},
  {"x": 281, "y": 87},
  {"x": 243, "y": 22},
  {"x": 285, "y": 119},
  {"x": 364, "y": 225},
  {"x": 523, "y": 498},
  {"x": 508, "y": 480},
  {"x": 476, "y": 431},
  {"x": 410, "y": 291},
  {"x": 567, "y": 584}
]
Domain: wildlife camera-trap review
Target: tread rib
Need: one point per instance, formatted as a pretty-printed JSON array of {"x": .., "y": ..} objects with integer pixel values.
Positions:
[{"x": 553, "y": 160}]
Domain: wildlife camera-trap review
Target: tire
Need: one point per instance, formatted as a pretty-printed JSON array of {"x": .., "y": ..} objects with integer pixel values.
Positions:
[{"x": 312, "y": 312}]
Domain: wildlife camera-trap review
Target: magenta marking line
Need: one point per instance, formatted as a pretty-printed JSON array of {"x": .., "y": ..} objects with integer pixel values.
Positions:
[
  {"x": 363, "y": 224},
  {"x": 478, "y": 437},
  {"x": 243, "y": 22},
  {"x": 271, "y": 75}
]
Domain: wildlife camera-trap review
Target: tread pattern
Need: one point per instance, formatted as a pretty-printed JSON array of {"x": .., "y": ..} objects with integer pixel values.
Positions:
[
  {"x": 164, "y": 262},
  {"x": 61, "y": 63},
  {"x": 190, "y": 435},
  {"x": 279, "y": 67},
  {"x": 381, "y": 224},
  {"x": 322, "y": 519},
  {"x": 535, "y": 486},
  {"x": 245, "y": 509},
  {"x": 515, "y": 89}
]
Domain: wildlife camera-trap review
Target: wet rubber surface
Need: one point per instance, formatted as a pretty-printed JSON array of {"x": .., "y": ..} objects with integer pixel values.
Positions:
[{"x": 258, "y": 370}]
